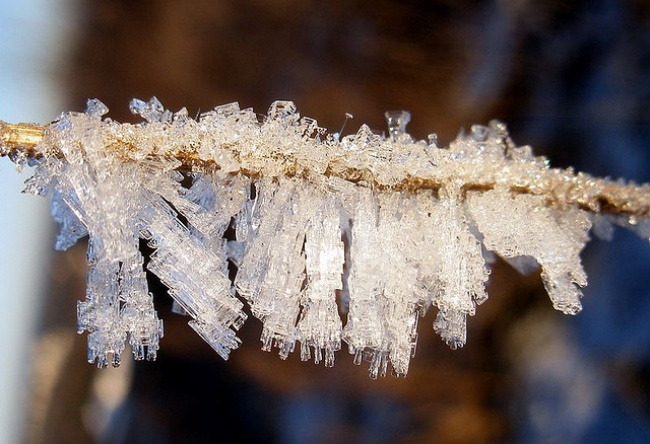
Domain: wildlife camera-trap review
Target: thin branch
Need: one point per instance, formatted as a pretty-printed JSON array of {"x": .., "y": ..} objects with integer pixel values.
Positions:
[
  {"x": 560, "y": 187},
  {"x": 20, "y": 139}
]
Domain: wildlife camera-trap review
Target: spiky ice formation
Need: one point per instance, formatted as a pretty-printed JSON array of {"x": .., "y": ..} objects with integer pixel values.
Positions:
[{"x": 334, "y": 240}]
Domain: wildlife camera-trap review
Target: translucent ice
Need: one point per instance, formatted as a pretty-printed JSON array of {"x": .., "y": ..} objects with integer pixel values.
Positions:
[
  {"x": 319, "y": 326},
  {"x": 521, "y": 225},
  {"x": 368, "y": 228}
]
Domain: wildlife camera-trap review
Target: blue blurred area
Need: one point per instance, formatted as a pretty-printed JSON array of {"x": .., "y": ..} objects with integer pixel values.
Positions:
[{"x": 595, "y": 108}]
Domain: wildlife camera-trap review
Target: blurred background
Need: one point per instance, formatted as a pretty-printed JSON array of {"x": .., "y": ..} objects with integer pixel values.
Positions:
[{"x": 571, "y": 78}]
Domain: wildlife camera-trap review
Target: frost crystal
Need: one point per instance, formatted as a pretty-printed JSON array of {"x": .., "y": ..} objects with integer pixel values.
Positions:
[
  {"x": 333, "y": 240},
  {"x": 516, "y": 226},
  {"x": 319, "y": 326},
  {"x": 462, "y": 273}
]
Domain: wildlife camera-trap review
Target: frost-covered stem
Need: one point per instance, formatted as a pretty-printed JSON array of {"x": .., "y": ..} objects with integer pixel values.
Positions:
[
  {"x": 20, "y": 138},
  {"x": 561, "y": 188},
  {"x": 377, "y": 228}
]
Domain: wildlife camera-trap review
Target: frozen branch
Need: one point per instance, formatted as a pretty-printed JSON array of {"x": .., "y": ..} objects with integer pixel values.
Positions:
[
  {"x": 559, "y": 187},
  {"x": 408, "y": 221}
]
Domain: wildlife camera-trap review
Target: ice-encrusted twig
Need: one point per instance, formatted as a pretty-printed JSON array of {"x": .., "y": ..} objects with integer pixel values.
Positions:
[
  {"x": 236, "y": 141},
  {"x": 374, "y": 228}
]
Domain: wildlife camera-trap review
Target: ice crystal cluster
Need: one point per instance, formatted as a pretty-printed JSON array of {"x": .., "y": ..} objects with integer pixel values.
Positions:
[{"x": 333, "y": 239}]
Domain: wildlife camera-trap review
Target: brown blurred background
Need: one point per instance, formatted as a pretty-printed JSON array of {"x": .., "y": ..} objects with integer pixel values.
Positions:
[{"x": 570, "y": 78}]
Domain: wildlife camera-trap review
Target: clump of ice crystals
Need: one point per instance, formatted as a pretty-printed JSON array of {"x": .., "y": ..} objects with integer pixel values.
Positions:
[{"x": 331, "y": 241}]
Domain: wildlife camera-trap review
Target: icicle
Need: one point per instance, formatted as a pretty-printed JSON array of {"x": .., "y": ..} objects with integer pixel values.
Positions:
[
  {"x": 462, "y": 273},
  {"x": 319, "y": 326}
]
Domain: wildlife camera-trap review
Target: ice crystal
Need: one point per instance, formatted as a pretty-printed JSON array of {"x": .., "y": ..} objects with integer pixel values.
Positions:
[
  {"x": 334, "y": 241},
  {"x": 516, "y": 226}
]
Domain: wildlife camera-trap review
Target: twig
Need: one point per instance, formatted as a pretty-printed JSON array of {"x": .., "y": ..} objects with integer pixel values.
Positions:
[
  {"x": 20, "y": 139},
  {"x": 560, "y": 187}
]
